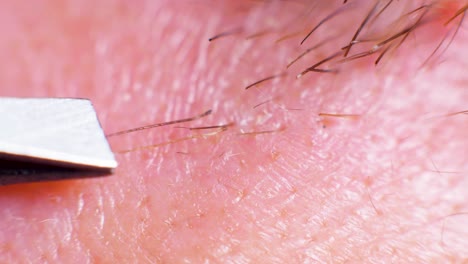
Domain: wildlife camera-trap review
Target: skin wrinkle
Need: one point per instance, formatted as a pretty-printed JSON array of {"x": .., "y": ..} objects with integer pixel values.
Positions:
[{"x": 187, "y": 199}]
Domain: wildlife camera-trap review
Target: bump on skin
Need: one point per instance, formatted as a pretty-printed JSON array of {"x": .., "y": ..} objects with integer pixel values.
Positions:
[{"x": 350, "y": 190}]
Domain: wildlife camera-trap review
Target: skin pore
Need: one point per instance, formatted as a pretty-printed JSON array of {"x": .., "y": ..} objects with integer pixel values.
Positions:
[{"x": 344, "y": 161}]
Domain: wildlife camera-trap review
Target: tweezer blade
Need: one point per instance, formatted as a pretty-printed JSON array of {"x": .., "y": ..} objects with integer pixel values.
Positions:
[{"x": 44, "y": 139}]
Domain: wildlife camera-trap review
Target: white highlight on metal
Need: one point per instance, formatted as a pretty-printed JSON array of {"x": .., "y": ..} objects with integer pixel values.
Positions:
[{"x": 60, "y": 130}]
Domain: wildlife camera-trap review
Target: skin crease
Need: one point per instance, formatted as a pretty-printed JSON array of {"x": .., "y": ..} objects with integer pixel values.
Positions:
[{"x": 387, "y": 185}]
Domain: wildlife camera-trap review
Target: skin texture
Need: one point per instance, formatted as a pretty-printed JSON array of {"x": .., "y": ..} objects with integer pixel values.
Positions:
[{"x": 385, "y": 184}]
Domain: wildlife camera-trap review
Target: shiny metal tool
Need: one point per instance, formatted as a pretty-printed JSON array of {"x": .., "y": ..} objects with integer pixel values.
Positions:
[{"x": 44, "y": 139}]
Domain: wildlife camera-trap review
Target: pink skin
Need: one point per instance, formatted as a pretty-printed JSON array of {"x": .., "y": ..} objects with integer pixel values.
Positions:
[{"x": 388, "y": 185}]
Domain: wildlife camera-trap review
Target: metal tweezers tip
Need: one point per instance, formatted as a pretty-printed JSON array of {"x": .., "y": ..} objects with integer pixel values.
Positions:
[{"x": 43, "y": 139}]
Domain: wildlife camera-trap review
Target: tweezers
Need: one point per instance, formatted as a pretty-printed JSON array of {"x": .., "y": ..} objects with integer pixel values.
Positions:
[{"x": 47, "y": 139}]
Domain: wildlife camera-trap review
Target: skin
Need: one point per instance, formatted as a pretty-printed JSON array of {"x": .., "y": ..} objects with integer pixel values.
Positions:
[{"x": 386, "y": 184}]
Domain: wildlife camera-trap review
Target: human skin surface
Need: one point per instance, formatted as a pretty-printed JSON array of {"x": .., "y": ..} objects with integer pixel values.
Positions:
[{"x": 361, "y": 163}]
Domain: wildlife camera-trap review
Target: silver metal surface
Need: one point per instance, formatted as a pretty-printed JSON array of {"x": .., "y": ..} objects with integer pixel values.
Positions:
[{"x": 60, "y": 132}]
